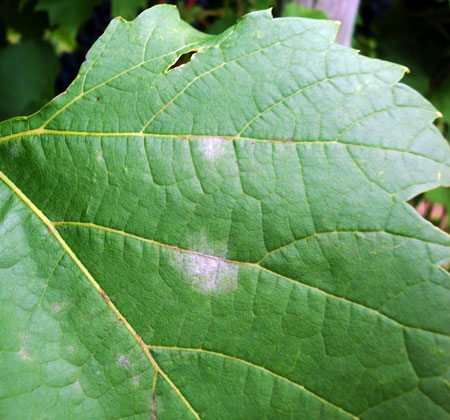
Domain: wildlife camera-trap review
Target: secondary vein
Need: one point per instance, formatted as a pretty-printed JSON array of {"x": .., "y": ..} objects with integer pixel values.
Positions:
[
  {"x": 276, "y": 375},
  {"x": 257, "y": 265}
]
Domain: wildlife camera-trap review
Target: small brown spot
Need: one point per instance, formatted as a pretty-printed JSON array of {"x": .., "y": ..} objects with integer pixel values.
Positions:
[{"x": 105, "y": 296}]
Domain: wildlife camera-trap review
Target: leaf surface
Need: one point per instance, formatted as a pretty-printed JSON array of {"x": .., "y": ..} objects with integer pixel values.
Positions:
[{"x": 225, "y": 239}]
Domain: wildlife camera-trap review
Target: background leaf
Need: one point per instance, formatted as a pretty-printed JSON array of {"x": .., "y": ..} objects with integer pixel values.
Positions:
[
  {"x": 127, "y": 8},
  {"x": 28, "y": 71},
  {"x": 293, "y": 9},
  {"x": 67, "y": 13},
  {"x": 441, "y": 196}
]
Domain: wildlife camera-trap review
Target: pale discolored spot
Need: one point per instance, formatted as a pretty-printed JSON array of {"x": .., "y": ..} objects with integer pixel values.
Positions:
[
  {"x": 24, "y": 355},
  {"x": 13, "y": 151},
  {"x": 100, "y": 157},
  {"x": 70, "y": 350},
  {"x": 212, "y": 148},
  {"x": 135, "y": 380},
  {"x": 201, "y": 244},
  {"x": 56, "y": 307},
  {"x": 208, "y": 274},
  {"x": 124, "y": 361},
  {"x": 205, "y": 267}
]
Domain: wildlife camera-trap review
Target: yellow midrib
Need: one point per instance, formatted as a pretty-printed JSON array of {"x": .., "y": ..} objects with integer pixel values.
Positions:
[
  {"x": 43, "y": 131},
  {"x": 258, "y": 265}
]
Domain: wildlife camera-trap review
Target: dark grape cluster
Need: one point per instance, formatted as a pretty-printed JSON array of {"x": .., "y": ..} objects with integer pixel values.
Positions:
[
  {"x": 373, "y": 8},
  {"x": 94, "y": 27},
  {"x": 69, "y": 69}
]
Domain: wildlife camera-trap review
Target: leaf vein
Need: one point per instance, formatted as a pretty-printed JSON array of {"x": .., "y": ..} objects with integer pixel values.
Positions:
[
  {"x": 41, "y": 131},
  {"x": 252, "y": 365}
]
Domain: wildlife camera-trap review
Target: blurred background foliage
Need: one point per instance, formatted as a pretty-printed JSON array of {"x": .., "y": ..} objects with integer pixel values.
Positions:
[{"x": 44, "y": 42}]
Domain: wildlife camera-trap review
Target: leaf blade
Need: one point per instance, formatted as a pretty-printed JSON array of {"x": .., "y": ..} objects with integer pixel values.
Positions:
[{"x": 290, "y": 250}]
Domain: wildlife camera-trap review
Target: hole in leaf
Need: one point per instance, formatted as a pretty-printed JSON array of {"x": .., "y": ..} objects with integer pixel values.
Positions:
[
  {"x": 434, "y": 206},
  {"x": 182, "y": 59}
]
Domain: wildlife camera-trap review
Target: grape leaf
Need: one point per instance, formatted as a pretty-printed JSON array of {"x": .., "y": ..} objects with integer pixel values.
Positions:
[
  {"x": 439, "y": 97},
  {"x": 440, "y": 195},
  {"x": 28, "y": 71},
  {"x": 224, "y": 239},
  {"x": 127, "y": 8},
  {"x": 293, "y": 9},
  {"x": 67, "y": 13}
]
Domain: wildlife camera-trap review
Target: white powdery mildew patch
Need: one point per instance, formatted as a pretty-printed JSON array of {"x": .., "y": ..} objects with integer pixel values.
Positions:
[
  {"x": 211, "y": 148},
  {"x": 56, "y": 307},
  {"x": 206, "y": 269},
  {"x": 208, "y": 274}
]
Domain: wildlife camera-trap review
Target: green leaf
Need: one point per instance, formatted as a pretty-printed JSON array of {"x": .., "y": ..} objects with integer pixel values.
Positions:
[
  {"x": 220, "y": 25},
  {"x": 440, "y": 98},
  {"x": 255, "y": 5},
  {"x": 225, "y": 239},
  {"x": 67, "y": 13},
  {"x": 440, "y": 195},
  {"x": 22, "y": 19},
  {"x": 192, "y": 13},
  {"x": 295, "y": 10},
  {"x": 127, "y": 8},
  {"x": 28, "y": 72}
]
